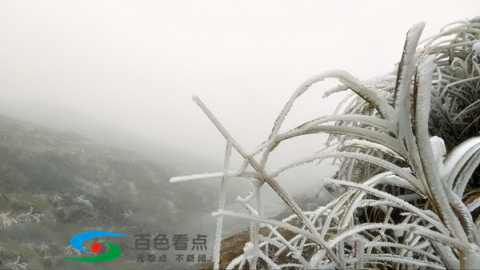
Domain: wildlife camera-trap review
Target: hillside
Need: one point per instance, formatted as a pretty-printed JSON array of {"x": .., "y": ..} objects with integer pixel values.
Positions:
[{"x": 55, "y": 185}]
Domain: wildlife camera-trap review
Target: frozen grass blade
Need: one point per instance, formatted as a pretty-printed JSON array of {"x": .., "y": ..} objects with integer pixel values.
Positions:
[{"x": 265, "y": 177}]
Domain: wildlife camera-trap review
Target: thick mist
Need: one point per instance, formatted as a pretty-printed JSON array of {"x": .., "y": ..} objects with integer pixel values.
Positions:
[
  {"x": 114, "y": 71},
  {"x": 123, "y": 73}
]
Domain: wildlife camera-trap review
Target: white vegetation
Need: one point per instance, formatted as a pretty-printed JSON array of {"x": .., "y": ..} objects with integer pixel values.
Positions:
[
  {"x": 80, "y": 199},
  {"x": 28, "y": 217},
  {"x": 57, "y": 199},
  {"x": 88, "y": 186},
  {"x": 71, "y": 251},
  {"x": 7, "y": 220},
  {"x": 127, "y": 213},
  {"x": 44, "y": 249},
  {"x": 17, "y": 265},
  {"x": 407, "y": 202}
]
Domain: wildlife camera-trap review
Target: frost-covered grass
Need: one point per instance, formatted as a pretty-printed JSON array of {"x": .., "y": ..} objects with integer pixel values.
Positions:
[
  {"x": 29, "y": 216},
  {"x": 17, "y": 265},
  {"x": 7, "y": 220},
  {"x": 408, "y": 149},
  {"x": 81, "y": 200}
]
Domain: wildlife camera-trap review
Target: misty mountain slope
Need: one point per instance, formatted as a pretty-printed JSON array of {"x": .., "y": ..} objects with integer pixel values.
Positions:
[
  {"x": 67, "y": 119},
  {"x": 54, "y": 185}
]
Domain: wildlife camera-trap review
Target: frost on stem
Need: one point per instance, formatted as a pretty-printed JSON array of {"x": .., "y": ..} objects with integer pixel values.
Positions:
[{"x": 408, "y": 151}]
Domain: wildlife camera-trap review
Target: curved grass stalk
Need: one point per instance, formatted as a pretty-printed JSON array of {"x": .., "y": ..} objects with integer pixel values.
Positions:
[
  {"x": 402, "y": 172},
  {"x": 405, "y": 205},
  {"x": 369, "y": 95},
  {"x": 381, "y": 124},
  {"x": 367, "y": 145},
  {"x": 422, "y": 109},
  {"x": 406, "y": 67},
  {"x": 358, "y": 132},
  {"x": 417, "y": 229},
  {"x": 456, "y": 161},
  {"x": 403, "y": 260}
]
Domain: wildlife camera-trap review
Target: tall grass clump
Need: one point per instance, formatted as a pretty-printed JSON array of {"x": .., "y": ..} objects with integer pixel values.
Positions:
[{"x": 408, "y": 148}]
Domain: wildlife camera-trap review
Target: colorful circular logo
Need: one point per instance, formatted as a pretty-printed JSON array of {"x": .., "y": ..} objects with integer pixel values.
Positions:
[{"x": 114, "y": 251}]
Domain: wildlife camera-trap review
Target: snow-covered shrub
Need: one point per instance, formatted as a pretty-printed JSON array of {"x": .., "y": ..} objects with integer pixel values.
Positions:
[
  {"x": 408, "y": 149},
  {"x": 71, "y": 251},
  {"x": 17, "y": 265},
  {"x": 7, "y": 220},
  {"x": 29, "y": 216},
  {"x": 80, "y": 199}
]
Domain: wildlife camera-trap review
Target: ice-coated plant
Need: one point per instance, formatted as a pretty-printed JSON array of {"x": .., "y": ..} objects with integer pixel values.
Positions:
[
  {"x": 17, "y": 265},
  {"x": 71, "y": 251},
  {"x": 408, "y": 148},
  {"x": 80, "y": 199},
  {"x": 44, "y": 248},
  {"x": 56, "y": 199},
  {"x": 29, "y": 216},
  {"x": 7, "y": 220}
]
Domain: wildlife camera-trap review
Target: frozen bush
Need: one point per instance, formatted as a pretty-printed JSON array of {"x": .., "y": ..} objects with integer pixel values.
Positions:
[{"x": 408, "y": 150}]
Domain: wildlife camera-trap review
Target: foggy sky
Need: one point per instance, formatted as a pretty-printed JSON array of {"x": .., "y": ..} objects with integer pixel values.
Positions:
[{"x": 136, "y": 64}]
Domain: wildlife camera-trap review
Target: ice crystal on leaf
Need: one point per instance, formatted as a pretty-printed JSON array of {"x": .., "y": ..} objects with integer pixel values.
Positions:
[{"x": 408, "y": 148}]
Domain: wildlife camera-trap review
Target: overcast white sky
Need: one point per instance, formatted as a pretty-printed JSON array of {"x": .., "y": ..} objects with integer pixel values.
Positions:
[{"x": 136, "y": 64}]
